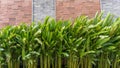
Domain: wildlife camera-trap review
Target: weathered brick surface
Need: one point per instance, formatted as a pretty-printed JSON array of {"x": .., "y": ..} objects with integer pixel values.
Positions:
[
  {"x": 43, "y": 8},
  {"x": 112, "y": 6},
  {"x": 66, "y": 9},
  {"x": 12, "y": 12}
]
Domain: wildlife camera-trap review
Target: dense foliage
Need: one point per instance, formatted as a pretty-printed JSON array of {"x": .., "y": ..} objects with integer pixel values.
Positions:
[{"x": 84, "y": 43}]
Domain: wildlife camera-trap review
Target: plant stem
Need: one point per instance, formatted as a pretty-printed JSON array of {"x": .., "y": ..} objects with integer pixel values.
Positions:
[
  {"x": 48, "y": 61},
  {"x": 59, "y": 61},
  {"x": 41, "y": 61},
  {"x": 53, "y": 66},
  {"x": 85, "y": 64},
  {"x": 82, "y": 63},
  {"x": 115, "y": 62},
  {"x": 9, "y": 63},
  {"x": 55, "y": 61},
  {"x": 45, "y": 61},
  {"x": 16, "y": 64},
  {"x": 89, "y": 62},
  {"x": 100, "y": 64}
]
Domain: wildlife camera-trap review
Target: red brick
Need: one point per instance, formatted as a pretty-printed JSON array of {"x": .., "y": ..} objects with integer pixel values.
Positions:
[
  {"x": 66, "y": 9},
  {"x": 13, "y": 12}
]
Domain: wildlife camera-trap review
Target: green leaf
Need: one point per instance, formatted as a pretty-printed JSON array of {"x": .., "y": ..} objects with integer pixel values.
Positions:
[{"x": 38, "y": 40}]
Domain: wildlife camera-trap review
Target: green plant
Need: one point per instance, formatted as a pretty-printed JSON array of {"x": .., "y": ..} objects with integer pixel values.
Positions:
[{"x": 82, "y": 43}]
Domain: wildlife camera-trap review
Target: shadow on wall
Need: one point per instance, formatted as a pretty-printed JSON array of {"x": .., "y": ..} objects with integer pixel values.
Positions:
[
  {"x": 112, "y": 6},
  {"x": 43, "y": 8}
]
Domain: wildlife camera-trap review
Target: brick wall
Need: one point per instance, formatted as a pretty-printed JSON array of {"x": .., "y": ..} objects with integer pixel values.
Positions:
[
  {"x": 66, "y": 9},
  {"x": 15, "y": 11}
]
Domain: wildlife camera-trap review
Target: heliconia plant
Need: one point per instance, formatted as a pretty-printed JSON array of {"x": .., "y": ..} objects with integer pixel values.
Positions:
[{"x": 82, "y": 43}]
